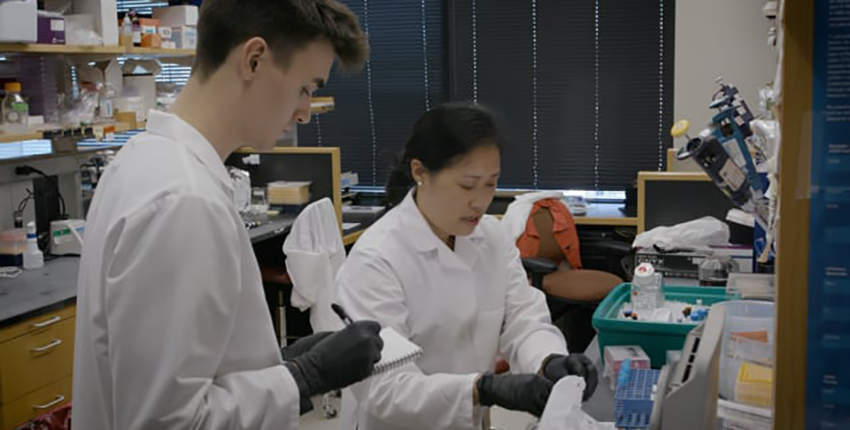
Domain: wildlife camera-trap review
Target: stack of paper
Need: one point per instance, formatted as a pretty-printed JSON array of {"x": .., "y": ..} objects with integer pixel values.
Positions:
[{"x": 288, "y": 193}]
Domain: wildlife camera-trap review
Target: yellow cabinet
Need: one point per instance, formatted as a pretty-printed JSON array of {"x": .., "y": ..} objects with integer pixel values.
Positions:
[
  {"x": 34, "y": 404},
  {"x": 36, "y": 366}
]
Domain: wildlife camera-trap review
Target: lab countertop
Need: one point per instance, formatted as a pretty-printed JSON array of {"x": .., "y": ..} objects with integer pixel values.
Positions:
[
  {"x": 601, "y": 406},
  {"x": 36, "y": 291},
  {"x": 276, "y": 226},
  {"x": 55, "y": 285}
]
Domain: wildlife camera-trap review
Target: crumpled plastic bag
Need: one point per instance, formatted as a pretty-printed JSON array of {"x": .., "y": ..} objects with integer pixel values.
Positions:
[
  {"x": 699, "y": 233},
  {"x": 563, "y": 410}
]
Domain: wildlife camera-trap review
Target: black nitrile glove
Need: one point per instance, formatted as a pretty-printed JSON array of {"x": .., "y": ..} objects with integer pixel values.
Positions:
[
  {"x": 526, "y": 393},
  {"x": 556, "y": 366},
  {"x": 341, "y": 359},
  {"x": 302, "y": 345}
]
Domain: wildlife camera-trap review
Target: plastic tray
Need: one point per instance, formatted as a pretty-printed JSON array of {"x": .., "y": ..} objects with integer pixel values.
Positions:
[{"x": 655, "y": 338}]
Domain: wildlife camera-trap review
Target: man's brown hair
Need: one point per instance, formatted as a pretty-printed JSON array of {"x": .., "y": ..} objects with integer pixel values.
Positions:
[{"x": 286, "y": 25}]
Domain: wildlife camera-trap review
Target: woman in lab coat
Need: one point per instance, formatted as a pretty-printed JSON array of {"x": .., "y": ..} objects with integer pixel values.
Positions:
[{"x": 444, "y": 275}]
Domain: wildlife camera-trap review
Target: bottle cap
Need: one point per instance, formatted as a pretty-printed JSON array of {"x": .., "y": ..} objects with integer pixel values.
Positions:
[
  {"x": 644, "y": 270},
  {"x": 13, "y": 87}
]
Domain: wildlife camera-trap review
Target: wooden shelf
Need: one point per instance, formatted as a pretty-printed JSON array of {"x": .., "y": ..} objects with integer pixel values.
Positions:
[
  {"x": 36, "y": 48},
  {"x": 8, "y": 138},
  {"x": 159, "y": 52}
]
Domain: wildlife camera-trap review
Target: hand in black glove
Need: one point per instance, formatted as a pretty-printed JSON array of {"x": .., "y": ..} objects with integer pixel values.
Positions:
[
  {"x": 302, "y": 345},
  {"x": 340, "y": 359},
  {"x": 556, "y": 366},
  {"x": 527, "y": 393}
]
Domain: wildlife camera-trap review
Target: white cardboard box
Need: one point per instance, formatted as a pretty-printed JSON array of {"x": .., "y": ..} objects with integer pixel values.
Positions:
[
  {"x": 176, "y": 16},
  {"x": 185, "y": 37},
  {"x": 104, "y": 13},
  {"x": 103, "y": 72}
]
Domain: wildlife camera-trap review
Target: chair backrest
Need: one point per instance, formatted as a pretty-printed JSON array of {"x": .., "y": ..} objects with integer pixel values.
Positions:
[{"x": 551, "y": 233}]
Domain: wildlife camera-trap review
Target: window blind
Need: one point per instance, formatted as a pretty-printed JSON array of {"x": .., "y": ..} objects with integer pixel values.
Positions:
[
  {"x": 584, "y": 87},
  {"x": 377, "y": 107}
]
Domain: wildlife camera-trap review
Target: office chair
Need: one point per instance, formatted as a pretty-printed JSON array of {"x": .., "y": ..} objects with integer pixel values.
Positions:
[{"x": 571, "y": 293}]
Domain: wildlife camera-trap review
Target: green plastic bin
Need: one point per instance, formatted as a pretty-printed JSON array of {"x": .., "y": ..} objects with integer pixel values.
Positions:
[{"x": 655, "y": 338}]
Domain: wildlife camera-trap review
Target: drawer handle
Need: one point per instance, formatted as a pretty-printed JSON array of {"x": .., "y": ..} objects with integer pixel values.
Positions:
[
  {"x": 59, "y": 399},
  {"x": 47, "y": 347},
  {"x": 51, "y": 321}
]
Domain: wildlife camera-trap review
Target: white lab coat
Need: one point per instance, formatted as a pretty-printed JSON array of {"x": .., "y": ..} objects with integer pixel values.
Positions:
[
  {"x": 173, "y": 331},
  {"x": 463, "y": 308},
  {"x": 516, "y": 217},
  {"x": 314, "y": 255}
]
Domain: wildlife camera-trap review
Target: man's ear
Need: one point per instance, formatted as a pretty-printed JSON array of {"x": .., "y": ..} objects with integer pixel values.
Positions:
[{"x": 252, "y": 53}]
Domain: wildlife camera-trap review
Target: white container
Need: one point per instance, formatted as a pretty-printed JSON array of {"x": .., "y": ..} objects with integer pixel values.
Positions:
[
  {"x": 33, "y": 258},
  {"x": 744, "y": 316},
  {"x": 67, "y": 237},
  {"x": 176, "y": 16},
  {"x": 647, "y": 292},
  {"x": 18, "y": 21}
]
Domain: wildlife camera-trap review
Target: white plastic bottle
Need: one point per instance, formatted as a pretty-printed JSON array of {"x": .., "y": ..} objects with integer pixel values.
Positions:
[
  {"x": 647, "y": 292},
  {"x": 33, "y": 258}
]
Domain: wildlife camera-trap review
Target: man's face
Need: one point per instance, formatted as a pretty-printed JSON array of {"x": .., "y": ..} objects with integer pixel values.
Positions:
[{"x": 278, "y": 98}]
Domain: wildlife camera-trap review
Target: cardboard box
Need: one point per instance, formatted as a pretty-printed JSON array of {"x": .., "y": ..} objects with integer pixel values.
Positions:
[
  {"x": 288, "y": 193},
  {"x": 151, "y": 41},
  {"x": 185, "y": 37},
  {"x": 177, "y": 16},
  {"x": 140, "y": 81},
  {"x": 104, "y": 13},
  {"x": 165, "y": 33},
  {"x": 18, "y": 21},
  {"x": 51, "y": 28},
  {"x": 103, "y": 72},
  {"x": 149, "y": 26}
]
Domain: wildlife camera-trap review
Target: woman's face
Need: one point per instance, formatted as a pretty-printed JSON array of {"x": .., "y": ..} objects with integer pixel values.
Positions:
[{"x": 454, "y": 199}]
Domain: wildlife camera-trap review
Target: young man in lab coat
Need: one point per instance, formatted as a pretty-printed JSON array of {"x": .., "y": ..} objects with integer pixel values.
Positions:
[{"x": 173, "y": 331}]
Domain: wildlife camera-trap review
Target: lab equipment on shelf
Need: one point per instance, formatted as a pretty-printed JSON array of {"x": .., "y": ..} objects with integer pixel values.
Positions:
[{"x": 16, "y": 111}]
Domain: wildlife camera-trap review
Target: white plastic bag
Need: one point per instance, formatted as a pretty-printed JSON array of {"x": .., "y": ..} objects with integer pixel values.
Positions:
[
  {"x": 698, "y": 233},
  {"x": 563, "y": 410}
]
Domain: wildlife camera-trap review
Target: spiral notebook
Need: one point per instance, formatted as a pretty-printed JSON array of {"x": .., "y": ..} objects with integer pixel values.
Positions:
[{"x": 397, "y": 351}]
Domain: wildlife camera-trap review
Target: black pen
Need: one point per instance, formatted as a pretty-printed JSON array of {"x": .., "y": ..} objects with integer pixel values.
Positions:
[{"x": 341, "y": 313}]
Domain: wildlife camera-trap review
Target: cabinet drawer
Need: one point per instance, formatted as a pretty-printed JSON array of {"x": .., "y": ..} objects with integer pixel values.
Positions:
[
  {"x": 35, "y": 404},
  {"x": 40, "y": 322},
  {"x": 36, "y": 359}
]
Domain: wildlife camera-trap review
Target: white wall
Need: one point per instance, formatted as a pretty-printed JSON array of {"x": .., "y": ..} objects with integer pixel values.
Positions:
[{"x": 719, "y": 38}]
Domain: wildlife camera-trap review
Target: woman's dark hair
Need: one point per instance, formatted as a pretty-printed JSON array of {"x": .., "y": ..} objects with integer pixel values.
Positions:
[{"x": 439, "y": 138}]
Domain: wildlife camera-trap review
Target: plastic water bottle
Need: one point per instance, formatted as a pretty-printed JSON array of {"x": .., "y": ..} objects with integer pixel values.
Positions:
[{"x": 647, "y": 292}]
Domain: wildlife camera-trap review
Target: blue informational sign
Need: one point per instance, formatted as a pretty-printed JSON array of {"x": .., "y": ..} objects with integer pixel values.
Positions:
[{"x": 828, "y": 357}]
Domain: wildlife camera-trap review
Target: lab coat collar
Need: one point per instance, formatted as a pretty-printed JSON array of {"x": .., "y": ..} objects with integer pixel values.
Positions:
[
  {"x": 174, "y": 128},
  {"x": 467, "y": 248}
]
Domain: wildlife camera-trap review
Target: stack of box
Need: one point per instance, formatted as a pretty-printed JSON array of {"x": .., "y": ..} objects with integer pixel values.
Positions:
[
  {"x": 288, "y": 193},
  {"x": 150, "y": 33},
  {"x": 179, "y": 23},
  {"x": 614, "y": 357},
  {"x": 12, "y": 246}
]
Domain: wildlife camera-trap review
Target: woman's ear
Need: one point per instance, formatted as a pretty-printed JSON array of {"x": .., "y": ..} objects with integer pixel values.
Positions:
[{"x": 418, "y": 171}]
